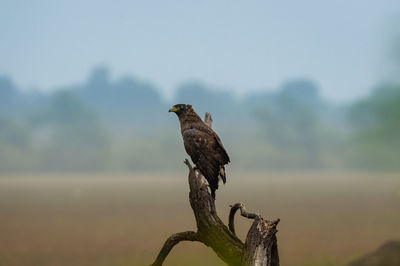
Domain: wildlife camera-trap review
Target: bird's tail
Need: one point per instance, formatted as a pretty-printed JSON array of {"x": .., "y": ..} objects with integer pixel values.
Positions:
[{"x": 222, "y": 173}]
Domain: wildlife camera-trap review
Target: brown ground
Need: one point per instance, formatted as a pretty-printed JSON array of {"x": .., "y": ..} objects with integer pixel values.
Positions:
[
  {"x": 326, "y": 219},
  {"x": 388, "y": 255}
]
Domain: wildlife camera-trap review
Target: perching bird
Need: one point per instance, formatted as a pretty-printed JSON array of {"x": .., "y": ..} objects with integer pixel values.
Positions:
[{"x": 203, "y": 145}]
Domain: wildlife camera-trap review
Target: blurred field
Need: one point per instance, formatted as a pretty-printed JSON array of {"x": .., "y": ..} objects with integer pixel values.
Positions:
[{"x": 326, "y": 218}]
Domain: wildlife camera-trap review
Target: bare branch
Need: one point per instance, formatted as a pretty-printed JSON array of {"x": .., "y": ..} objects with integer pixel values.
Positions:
[
  {"x": 261, "y": 243},
  {"x": 261, "y": 246},
  {"x": 243, "y": 212},
  {"x": 208, "y": 119},
  {"x": 171, "y": 242},
  {"x": 186, "y": 161}
]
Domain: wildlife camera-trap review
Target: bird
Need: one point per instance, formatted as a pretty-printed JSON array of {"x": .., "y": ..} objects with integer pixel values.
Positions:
[{"x": 203, "y": 145}]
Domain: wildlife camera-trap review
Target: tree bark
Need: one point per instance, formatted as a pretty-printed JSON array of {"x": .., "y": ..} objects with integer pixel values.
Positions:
[
  {"x": 172, "y": 241},
  {"x": 260, "y": 247}
]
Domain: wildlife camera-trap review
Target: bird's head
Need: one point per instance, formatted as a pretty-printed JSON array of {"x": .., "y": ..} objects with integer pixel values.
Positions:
[{"x": 180, "y": 109}]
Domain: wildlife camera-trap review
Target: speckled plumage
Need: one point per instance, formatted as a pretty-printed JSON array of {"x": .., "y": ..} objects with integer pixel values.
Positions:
[{"x": 203, "y": 145}]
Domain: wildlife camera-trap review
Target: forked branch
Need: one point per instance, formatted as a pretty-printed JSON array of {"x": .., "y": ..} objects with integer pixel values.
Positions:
[
  {"x": 171, "y": 242},
  {"x": 260, "y": 247},
  {"x": 243, "y": 212}
]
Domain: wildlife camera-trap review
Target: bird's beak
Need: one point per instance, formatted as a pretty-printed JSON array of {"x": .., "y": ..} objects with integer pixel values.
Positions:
[{"x": 173, "y": 109}]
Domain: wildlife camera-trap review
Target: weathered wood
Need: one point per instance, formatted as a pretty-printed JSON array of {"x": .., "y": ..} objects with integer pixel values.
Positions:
[
  {"x": 261, "y": 244},
  {"x": 171, "y": 242},
  {"x": 212, "y": 231},
  {"x": 208, "y": 119},
  {"x": 260, "y": 247},
  {"x": 243, "y": 212}
]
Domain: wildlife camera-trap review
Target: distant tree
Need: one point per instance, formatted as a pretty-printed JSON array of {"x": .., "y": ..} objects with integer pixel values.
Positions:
[
  {"x": 290, "y": 123},
  {"x": 75, "y": 137},
  {"x": 8, "y": 95},
  {"x": 13, "y": 134},
  {"x": 375, "y": 119},
  {"x": 99, "y": 79},
  {"x": 205, "y": 98},
  {"x": 303, "y": 90},
  {"x": 124, "y": 103}
]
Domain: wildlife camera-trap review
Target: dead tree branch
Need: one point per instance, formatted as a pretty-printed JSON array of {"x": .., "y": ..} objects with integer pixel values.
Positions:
[
  {"x": 261, "y": 244},
  {"x": 208, "y": 119},
  {"x": 171, "y": 242},
  {"x": 243, "y": 212}
]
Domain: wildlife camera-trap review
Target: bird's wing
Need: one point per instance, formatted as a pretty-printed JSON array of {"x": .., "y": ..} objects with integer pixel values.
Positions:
[
  {"x": 197, "y": 142},
  {"x": 203, "y": 149},
  {"x": 223, "y": 156}
]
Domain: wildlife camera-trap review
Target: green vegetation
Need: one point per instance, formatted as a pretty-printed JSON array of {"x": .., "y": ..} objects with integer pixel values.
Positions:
[
  {"x": 376, "y": 122},
  {"x": 104, "y": 125}
]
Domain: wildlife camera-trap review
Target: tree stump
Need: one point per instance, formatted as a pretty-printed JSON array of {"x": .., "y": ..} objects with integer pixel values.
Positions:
[{"x": 260, "y": 247}]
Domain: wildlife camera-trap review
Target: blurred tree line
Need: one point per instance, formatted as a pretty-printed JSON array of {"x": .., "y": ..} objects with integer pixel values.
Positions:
[{"x": 109, "y": 125}]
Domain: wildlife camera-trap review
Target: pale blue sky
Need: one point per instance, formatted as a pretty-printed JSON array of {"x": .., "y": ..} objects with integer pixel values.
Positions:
[{"x": 240, "y": 45}]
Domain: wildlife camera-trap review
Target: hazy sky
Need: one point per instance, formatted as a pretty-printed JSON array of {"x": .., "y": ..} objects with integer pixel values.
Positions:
[{"x": 242, "y": 45}]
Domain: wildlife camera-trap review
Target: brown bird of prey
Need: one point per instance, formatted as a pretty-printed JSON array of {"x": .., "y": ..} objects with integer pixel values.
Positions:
[{"x": 203, "y": 145}]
